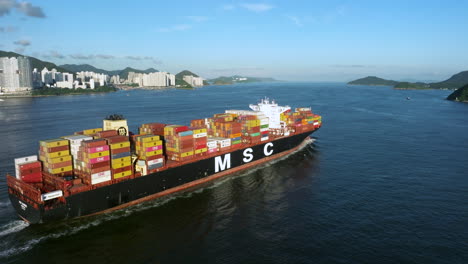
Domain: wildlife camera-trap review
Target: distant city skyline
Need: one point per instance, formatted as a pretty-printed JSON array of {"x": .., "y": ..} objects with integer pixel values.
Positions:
[{"x": 300, "y": 40}]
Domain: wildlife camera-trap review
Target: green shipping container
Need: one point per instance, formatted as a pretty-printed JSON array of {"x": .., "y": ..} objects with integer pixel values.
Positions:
[
  {"x": 255, "y": 134},
  {"x": 236, "y": 142},
  {"x": 264, "y": 126}
]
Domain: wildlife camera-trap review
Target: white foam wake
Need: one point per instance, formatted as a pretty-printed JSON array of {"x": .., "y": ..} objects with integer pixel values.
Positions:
[{"x": 13, "y": 227}]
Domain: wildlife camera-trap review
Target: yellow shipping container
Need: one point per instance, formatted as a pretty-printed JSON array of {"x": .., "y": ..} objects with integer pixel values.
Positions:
[
  {"x": 97, "y": 154},
  {"x": 91, "y": 131},
  {"x": 58, "y": 160},
  {"x": 121, "y": 160},
  {"x": 57, "y": 154},
  {"x": 118, "y": 165},
  {"x": 199, "y": 131},
  {"x": 148, "y": 139},
  {"x": 120, "y": 145},
  {"x": 198, "y": 151},
  {"x": 171, "y": 149},
  {"x": 150, "y": 143},
  {"x": 152, "y": 153},
  {"x": 235, "y": 135},
  {"x": 60, "y": 170},
  {"x": 54, "y": 143},
  {"x": 186, "y": 154},
  {"x": 122, "y": 174}
]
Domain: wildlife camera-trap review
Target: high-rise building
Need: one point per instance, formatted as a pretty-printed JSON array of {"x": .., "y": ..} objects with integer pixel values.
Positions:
[
  {"x": 15, "y": 75},
  {"x": 193, "y": 81}
]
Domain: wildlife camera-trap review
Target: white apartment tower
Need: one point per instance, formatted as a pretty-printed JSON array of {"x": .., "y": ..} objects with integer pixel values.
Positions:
[{"x": 15, "y": 75}]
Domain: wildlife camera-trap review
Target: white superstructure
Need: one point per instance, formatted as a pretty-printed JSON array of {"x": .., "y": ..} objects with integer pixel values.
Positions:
[{"x": 271, "y": 110}]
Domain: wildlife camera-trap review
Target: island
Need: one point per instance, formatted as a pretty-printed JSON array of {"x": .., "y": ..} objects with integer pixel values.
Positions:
[
  {"x": 460, "y": 95},
  {"x": 454, "y": 82},
  {"x": 373, "y": 80}
]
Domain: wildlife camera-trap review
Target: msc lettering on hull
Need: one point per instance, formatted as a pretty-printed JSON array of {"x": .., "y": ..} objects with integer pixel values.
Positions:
[{"x": 224, "y": 162}]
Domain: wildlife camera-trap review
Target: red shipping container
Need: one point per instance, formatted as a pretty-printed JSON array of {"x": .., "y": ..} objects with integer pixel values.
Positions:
[
  {"x": 24, "y": 172},
  {"x": 155, "y": 157},
  {"x": 114, "y": 171},
  {"x": 97, "y": 165},
  {"x": 200, "y": 146},
  {"x": 181, "y": 129},
  {"x": 30, "y": 165},
  {"x": 116, "y": 139},
  {"x": 97, "y": 170},
  {"x": 120, "y": 150},
  {"x": 93, "y": 143},
  {"x": 107, "y": 133},
  {"x": 264, "y": 133},
  {"x": 59, "y": 164},
  {"x": 32, "y": 178},
  {"x": 54, "y": 149}
]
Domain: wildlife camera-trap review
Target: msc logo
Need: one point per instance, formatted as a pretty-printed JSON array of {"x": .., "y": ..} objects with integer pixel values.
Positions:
[{"x": 224, "y": 162}]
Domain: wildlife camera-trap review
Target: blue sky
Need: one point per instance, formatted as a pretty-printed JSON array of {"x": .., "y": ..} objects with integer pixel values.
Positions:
[{"x": 290, "y": 40}]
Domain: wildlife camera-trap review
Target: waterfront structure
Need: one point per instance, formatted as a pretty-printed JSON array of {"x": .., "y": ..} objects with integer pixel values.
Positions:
[
  {"x": 115, "y": 79},
  {"x": 193, "y": 81},
  {"x": 15, "y": 75},
  {"x": 153, "y": 79},
  {"x": 53, "y": 78},
  {"x": 100, "y": 78}
]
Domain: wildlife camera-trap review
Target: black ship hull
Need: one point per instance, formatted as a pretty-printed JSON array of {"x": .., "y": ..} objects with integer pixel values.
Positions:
[{"x": 157, "y": 184}]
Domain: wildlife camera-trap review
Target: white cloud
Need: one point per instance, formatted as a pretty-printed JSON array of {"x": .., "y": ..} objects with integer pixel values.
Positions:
[
  {"x": 296, "y": 20},
  {"x": 257, "y": 7},
  {"x": 24, "y": 7},
  {"x": 179, "y": 27}
]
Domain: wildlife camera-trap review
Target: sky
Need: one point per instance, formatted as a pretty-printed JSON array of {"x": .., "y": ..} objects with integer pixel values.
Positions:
[{"x": 313, "y": 40}]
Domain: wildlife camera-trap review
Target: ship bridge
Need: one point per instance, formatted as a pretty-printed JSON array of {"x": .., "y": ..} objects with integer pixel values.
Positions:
[{"x": 271, "y": 110}]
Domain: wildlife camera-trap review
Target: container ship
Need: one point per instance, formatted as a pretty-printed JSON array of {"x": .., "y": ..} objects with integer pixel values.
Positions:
[{"x": 103, "y": 169}]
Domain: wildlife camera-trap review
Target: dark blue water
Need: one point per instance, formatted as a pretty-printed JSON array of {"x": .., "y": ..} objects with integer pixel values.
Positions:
[{"x": 385, "y": 182}]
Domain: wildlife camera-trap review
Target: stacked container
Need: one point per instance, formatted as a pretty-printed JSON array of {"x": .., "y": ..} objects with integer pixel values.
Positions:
[
  {"x": 178, "y": 142},
  {"x": 55, "y": 157},
  {"x": 90, "y": 132},
  {"x": 75, "y": 143},
  {"x": 106, "y": 133},
  {"x": 121, "y": 158},
  {"x": 152, "y": 129},
  {"x": 250, "y": 129},
  {"x": 149, "y": 149},
  {"x": 200, "y": 138},
  {"x": 94, "y": 160},
  {"x": 212, "y": 145},
  {"x": 28, "y": 169}
]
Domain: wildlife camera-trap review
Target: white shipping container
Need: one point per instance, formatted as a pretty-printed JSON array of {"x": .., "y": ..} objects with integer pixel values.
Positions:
[
  {"x": 51, "y": 195},
  {"x": 76, "y": 140},
  {"x": 286, "y": 133},
  {"x": 211, "y": 144},
  {"x": 199, "y": 135},
  {"x": 25, "y": 159},
  {"x": 101, "y": 177},
  {"x": 264, "y": 129},
  {"x": 155, "y": 161},
  {"x": 264, "y": 138}
]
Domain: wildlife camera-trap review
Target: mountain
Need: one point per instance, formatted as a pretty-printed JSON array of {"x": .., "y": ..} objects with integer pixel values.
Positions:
[
  {"x": 84, "y": 67},
  {"x": 454, "y": 82},
  {"x": 35, "y": 63},
  {"x": 373, "y": 80},
  {"x": 122, "y": 73},
  {"x": 239, "y": 79},
  {"x": 460, "y": 95},
  {"x": 412, "y": 85}
]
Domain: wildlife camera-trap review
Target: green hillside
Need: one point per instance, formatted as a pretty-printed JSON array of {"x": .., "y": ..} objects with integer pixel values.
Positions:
[
  {"x": 124, "y": 73},
  {"x": 35, "y": 63},
  {"x": 373, "y": 80},
  {"x": 410, "y": 85},
  {"x": 454, "y": 82},
  {"x": 460, "y": 95}
]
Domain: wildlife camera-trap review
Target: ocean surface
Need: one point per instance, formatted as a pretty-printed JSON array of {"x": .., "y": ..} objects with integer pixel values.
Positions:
[{"x": 386, "y": 181}]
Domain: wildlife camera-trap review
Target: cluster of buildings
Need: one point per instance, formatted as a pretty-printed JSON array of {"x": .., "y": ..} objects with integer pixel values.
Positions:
[
  {"x": 153, "y": 79},
  {"x": 17, "y": 76}
]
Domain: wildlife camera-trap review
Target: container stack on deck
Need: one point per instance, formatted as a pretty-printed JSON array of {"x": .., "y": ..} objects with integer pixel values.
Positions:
[
  {"x": 28, "y": 169},
  {"x": 75, "y": 143},
  {"x": 94, "y": 160},
  {"x": 121, "y": 158},
  {"x": 55, "y": 156},
  {"x": 200, "y": 139},
  {"x": 178, "y": 142},
  {"x": 152, "y": 129},
  {"x": 149, "y": 149},
  {"x": 250, "y": 129}
]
